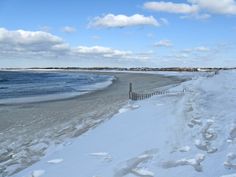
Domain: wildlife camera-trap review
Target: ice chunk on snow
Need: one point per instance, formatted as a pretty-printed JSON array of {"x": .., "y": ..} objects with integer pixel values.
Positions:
[
  {"x": 37, "y": 173},
  {"x": 229, "y": 141},
  {"x": 207, "y": 132},
  {"x": 55, "y": 161},
  {"x": 205, "y": 146},
  {"x": 100, "y": 154},
  {"x": 184, "y": 149},
  {"x": 195, "y": 163},
  {"x": 142, "y": 172},
  {"x": 122, "y": 110}
]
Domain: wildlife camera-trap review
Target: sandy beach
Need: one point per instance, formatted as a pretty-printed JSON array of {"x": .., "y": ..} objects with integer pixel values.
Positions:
[
  {"x": 175, "y": 134},
  {"x": 28, "y": 130}
]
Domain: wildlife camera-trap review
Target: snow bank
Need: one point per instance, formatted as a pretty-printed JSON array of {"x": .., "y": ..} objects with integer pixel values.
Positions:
[{"x": 192, "y": 135}]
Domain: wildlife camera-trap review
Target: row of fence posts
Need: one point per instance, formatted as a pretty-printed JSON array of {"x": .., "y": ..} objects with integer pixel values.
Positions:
[{"x": 141, "y": 96}]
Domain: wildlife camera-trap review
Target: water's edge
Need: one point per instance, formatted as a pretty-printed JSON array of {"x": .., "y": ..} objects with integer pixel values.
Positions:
[{"x": 80, "y": 88}]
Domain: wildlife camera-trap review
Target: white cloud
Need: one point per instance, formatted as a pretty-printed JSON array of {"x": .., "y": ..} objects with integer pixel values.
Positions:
[
  {"x": 21, "y": 40},
  {"x": 216, "y": 6},
  {"x": 69, "y": 29},
  {"x": 107, "y": 52},
  {"x": 197, "y": 49},
  {"x": 164, "y": 43},
  {"x": 119, "y": 21},
  {"x": 194, "y": 7},
  {"x": 100, "y": 50},
  {"x": 202, "y": 49},
  {"x": 39, "y": 44},
  {"x": 196, "y": 16},
  {"x": 171, "y": 7}
]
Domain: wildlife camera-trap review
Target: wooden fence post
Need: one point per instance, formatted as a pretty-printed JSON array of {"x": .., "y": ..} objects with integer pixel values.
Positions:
[{"x": 130, "y": 90}]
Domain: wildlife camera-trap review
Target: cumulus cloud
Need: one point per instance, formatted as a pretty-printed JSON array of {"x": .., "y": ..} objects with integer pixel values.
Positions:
[
  {"x": 164, "y": 43},
  {"x": 120, "y": 21},
  {"x": 194, "y": 7},
  {"x": 25, "y": 41},
  {"x": 106, "y": 52},
  {"x": 45, "y": 45},
  {"x": 216, "y": 6},
  {"x": 69, "y": 29},
  {"x": 100, "y": 50},
  {"x": 171, "y": 7}
]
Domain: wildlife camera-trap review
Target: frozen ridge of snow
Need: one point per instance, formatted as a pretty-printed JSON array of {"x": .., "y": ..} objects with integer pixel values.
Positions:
[{"x": 192, "y": 135}]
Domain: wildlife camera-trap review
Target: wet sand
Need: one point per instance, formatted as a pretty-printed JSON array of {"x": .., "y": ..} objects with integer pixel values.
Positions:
[{"x": 27, "y": 130}]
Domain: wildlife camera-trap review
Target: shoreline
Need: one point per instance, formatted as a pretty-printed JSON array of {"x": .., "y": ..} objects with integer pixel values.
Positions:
[
  {"x": 162, "y": 136},
  {"x": 70, "y": 96},
  {"x": 56, "y": 96},
  {"x": 36, "y": 126}
]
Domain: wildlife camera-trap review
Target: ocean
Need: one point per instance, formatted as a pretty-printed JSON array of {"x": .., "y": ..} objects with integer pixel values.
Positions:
[{"x": 18, "y": 87}]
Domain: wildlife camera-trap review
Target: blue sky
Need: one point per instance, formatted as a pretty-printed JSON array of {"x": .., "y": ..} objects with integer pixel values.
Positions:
[{"x": 112, "y": 33}]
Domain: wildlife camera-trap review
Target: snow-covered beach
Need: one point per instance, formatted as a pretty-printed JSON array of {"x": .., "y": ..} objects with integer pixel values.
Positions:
[
  {"x": 190, "y": 134},
  {"x": 28, "y": 131}
]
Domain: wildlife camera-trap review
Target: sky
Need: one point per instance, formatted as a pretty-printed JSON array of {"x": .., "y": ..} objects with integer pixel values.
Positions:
[{"x": 111, "y": 33}]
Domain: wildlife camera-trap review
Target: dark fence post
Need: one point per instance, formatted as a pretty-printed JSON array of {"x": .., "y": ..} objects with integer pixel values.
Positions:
[
  {"x": 130, "y": 90},
  {"x": 142, "y": 96}
]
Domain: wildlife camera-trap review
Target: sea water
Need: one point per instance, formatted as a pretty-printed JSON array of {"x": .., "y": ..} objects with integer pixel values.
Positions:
[{"x": 18, "y": 87}]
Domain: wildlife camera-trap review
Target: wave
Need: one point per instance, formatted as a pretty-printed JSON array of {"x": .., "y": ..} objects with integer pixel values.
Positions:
[{"x": 34, "y": 87}]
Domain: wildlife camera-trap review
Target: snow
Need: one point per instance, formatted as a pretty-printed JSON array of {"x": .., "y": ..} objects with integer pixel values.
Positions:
[
  {"x": 232, "y": 175},
  {"x": 37, "y": 173},
  {"x": 55, "y": 161},
  {"x": 190, "y": 134}
]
